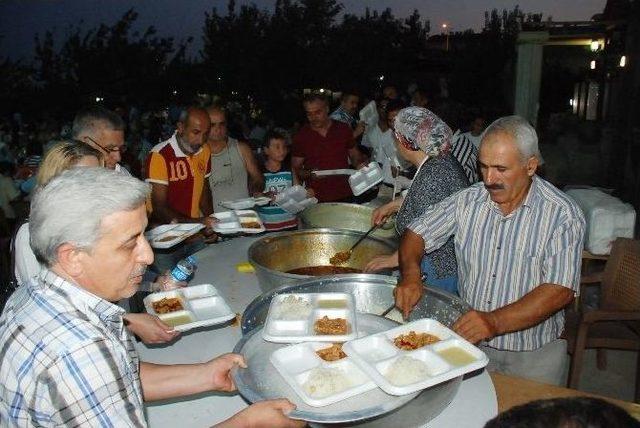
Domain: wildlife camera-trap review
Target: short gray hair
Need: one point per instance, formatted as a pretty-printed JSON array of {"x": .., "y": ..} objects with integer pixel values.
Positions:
[
  {"x": 523, "y": 133},
  {"x": 91, "y": 120},
  {"x": 71, "y": 207}
]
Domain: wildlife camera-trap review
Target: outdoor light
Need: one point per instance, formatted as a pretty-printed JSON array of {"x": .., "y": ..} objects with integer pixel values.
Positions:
[
  {"x": 444, "y": 26},
  {"x": 99, "y": 99},
  {"x": 322, "y": 90},
  {"x": 219, "y": 78},
  {"x": 571, "y": 102},
  {"x": 594, "y": 45},
  {"x": 175, "y": 92},
  {"x": 381, "y": 78},
  {"x": 593, "y": 65},
  {"x": 623, "y": 60}
]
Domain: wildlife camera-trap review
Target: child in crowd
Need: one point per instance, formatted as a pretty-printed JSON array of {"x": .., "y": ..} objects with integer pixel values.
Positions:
[{"x": 276, "y": 168}]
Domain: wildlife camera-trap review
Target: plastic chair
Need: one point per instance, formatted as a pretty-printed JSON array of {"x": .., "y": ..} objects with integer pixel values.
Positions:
[{"x": 616, "y": 323}]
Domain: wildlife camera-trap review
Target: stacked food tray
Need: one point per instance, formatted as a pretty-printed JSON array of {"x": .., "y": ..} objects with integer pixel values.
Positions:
[
  {"x": 191, "y": 307},
  {"x": 238, "y": 221},
  {"x": 245, "y": 203},
  {"x": 365, "y": 178},
  {"x": 168, "y": 235},
  {"x": 294, "y": 199}
]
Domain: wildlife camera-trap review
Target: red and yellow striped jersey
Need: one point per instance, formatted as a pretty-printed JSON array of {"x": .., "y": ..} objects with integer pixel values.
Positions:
[{"x": 185, "y": 175}]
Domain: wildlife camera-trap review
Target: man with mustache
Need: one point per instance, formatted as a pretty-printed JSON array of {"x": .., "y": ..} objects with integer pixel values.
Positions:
[
  {"x": 65, "y": 357},
  {"x": 518, "y": 242}
]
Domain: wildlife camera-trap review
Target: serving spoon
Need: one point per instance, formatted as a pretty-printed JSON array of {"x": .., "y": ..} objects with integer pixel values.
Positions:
[{"x": 342, "y": 257}]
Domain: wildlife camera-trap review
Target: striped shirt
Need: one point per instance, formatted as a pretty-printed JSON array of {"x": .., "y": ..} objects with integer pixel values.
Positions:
[
  {"x": 467, "y": 154},
  {"x": 502, "y": 258},
  {"x": 66, "y": 359}
]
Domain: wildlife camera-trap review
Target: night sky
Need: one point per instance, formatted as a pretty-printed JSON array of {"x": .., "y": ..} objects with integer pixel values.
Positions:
[{"x": 20, "y": 20}]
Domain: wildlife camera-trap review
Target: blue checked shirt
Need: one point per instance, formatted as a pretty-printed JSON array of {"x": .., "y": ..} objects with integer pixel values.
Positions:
[
  {"x": 502, "y": 258},
  {"x": 66, "y": 359}
]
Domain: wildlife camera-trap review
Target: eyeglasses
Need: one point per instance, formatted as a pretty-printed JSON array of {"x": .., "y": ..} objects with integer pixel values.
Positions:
[{"x": 120, "y": 149}]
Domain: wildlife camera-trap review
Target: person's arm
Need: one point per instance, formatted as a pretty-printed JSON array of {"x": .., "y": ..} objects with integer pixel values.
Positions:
[
  {"x": 428, "y": 232},
  {"x": 256, "y": 178},
  {"x": 177, "y": 380},
  {"x": 267, "y": 414},
  {"x": 357, "y": 158},
  {"x": 150, "y": 328},
  {"x": 409, "y": 289},
  {"x": 382, "y": 213},
  {"x": 533, "y": 308},
  {"x": 206, "y": 200},
  {"x": 297, "y": 166}
]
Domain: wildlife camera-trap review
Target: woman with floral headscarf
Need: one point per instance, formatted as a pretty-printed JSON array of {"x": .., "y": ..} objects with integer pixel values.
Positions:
[{"x": 424, "y": 140}]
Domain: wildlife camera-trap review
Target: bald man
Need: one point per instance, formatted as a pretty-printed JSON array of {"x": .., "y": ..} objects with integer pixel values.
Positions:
[{"x": 178, "y": 170}]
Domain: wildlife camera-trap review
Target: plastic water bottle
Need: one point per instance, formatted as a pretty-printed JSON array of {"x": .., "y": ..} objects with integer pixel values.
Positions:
[{"x": 182, "y": 272}]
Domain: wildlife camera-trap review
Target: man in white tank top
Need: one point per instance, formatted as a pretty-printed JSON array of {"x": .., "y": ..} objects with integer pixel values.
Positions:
[{"x": 235, "y": 173}]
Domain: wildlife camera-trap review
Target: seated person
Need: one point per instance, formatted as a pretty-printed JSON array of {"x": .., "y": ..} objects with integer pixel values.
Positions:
[
  {"x": 235, "y": 171},
  {"x": 66, "y": 357},
  {"x": 276, "y": 169}
]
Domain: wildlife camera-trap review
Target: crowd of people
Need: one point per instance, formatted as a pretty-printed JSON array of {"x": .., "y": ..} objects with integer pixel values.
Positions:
[{"x": 509, "y": 245}]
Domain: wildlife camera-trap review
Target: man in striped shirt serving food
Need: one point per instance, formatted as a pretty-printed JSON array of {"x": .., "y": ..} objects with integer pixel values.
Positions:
[{"x": 518, "y": 242}]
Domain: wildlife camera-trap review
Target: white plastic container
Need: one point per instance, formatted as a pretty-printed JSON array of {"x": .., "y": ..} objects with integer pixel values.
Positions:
[
  {"x": 238, "y": 221},
  {"x": 292, "y": 317},
  {"x": 168, "y": 235},
  {"x": 607, "y": 218},
  {"x": 369, "y": 114},
  {"x": 376, "y": 354},
  {"x": 296, "y": 363},
  {"x": 366, "y": 178},
  {"x": 294, "y": 199},
  {"x": 202, "y": 304},
  {"x": 245, "y": 203}
]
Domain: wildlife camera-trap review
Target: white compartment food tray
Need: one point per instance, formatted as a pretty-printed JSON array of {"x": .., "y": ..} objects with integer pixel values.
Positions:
[
  {"x": 294, "y": 199},
  {"x": 281, "y": 327},
  {"x": 366, "y": 178},
  {"x": 296, "y": 362},
  {"x": 374, "y": 354},
  {"x": 245, "y": 203},
  {"x": 231, "y": 222},
  {"x": 202, "y": 304},
  {"x": 158, "y": 237}
]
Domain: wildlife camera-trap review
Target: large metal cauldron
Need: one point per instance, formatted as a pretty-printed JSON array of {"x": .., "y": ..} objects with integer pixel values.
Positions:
[
  {"x": 373, "y": 294},
  {"x": 274, "y": 255},
  {"x": 334, "y": 215}
]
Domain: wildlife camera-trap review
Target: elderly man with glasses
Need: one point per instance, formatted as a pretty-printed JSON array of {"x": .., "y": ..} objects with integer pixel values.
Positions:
[{"x": 103, "y": 130}]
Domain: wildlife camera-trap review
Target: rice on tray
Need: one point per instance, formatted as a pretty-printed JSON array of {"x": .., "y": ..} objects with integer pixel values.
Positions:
[
  {"x": 323, "y": 382},
  {"x": 292, "y": 308},
  {"x": 406, "y": 370}
]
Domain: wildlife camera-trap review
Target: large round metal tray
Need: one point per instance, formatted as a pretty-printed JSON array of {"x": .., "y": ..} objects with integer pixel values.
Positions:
[
  {"x": 373, "y": 294},
  {"x": 261, "y": 381}
]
